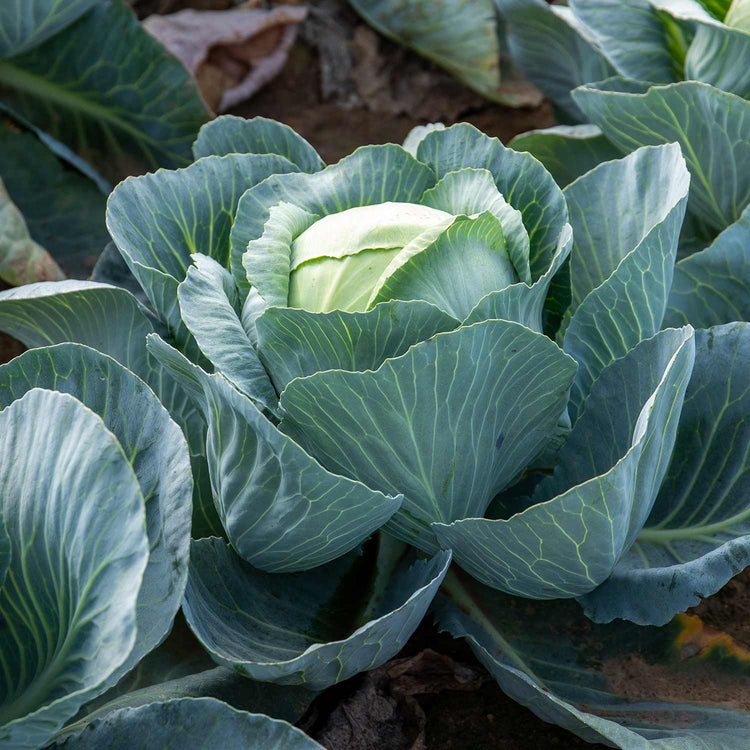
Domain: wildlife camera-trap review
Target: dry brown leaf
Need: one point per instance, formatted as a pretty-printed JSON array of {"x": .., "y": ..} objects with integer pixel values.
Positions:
[
  {"x": 22, "y": 261},
  {"x": 231, "y": 53}
]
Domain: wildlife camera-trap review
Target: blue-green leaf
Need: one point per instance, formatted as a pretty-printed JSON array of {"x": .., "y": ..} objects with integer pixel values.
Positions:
[
  {"x": 295, "y": 343},
  {"x": 75, "y": 516},
  {"x": 208, "y": 299},
  {"x": 371, "y": 175},
  {"x": 448, "y": 424},
  {"x": 712, "y": 286},
  {"x": 626, "y": 218},
  {"x": 104, "y": 87},
  {"x": 521, "y": 179},
  {"x": 538, "y": 33},
  {"x": 26, "y": 23},
  {"x": 522, "y": 303},
  {"x": 156, "y": 450},
  {"x": 110, "y": 320},
  {"x": 633, "y": 114},
  {"x": 294, "y": 629},
  {"x": 159, "y": 220},
  {"x": 5, "y": 547},
  {"x": 98, "y": 315},
  {"x": 466, "y": 262},
  {"x": 567, "y": 151},
  {"x": 633, "y": 37},
  {"x": 698, "y": 534},
  {"x": 191, "y": 724},
  {"x": 718, "y": 53},
  {"x": 281, "y": 510},
  {"x": 64, "y": 209},
  {"x": 462, "y": 38},
  {"x": 588, "y": 513},
  {"x": 229, "y": 134}
]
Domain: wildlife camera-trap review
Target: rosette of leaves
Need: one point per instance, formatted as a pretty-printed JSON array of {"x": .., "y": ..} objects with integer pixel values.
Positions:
[
  {"x": 434, "y": 342},
  {"x": 95, "y": 493},
  {"x": 645, "y": 73}
]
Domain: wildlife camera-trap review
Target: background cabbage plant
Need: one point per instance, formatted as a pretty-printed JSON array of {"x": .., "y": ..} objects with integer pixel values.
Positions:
[
  {"x": 645, "y": 73},
  {"x": 439, "y": 343}
]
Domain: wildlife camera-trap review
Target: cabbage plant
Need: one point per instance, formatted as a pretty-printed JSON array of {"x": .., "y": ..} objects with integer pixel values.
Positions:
[{"x": 438, "y": 344}]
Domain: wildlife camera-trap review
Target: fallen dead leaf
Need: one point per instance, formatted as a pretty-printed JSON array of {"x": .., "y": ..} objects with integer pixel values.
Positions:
[{"x": 231, "y": 53}]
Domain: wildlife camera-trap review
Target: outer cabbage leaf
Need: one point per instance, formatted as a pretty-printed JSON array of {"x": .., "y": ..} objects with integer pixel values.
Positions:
[
  {"x": 449, "y": 423},
  {"x": 463, "y": 38},
  {"x": 626, "y": 217},
  {"x": 191, "y": 724},
  {"x": 633, "y": 36},
  {"x": 538, "y": 33},
  {"x": 567, "y": 151},
  {"x": 104, "y": 87},
  {"x": 110, "y": 320},
  {"x": 698, "y": 533},
  {"x": 289, "y": 629},
  {"x": 159, "y": 220},
  {"x": 63, "y": 209},
  {"x": 711, "y": 126},
  {"x": 282, "y": 511},
  {"x": 711, "y": 287},
  {"x": 156, "y": 450},
  {"x": 712, "y": 46},
  {"x": 26, "y": 23},
  {"x": 588, "y": 513},
  {"x": 619, "y": 684},
  {"x": 75, "y": 516},
  {"x": 296, "y": 343},
  {"x": 229, "y": 134},
  {"x": 5, "y": 547}
]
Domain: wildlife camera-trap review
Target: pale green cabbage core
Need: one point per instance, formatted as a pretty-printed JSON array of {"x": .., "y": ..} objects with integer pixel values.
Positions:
[{"x": 340, "y": 261}]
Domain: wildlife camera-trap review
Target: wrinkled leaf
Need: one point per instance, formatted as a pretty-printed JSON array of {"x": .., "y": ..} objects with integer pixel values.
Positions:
[
  {"x": 156, "y": 450},
  {"x": 108, "y": 90},
  {"x": 75, "y": 516},
  {"x": 188, "y": 723},
  {"x": 698, "y": 534},
  {"x": 448, "y": 424},
  {"x": 297, "y": 629}
]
